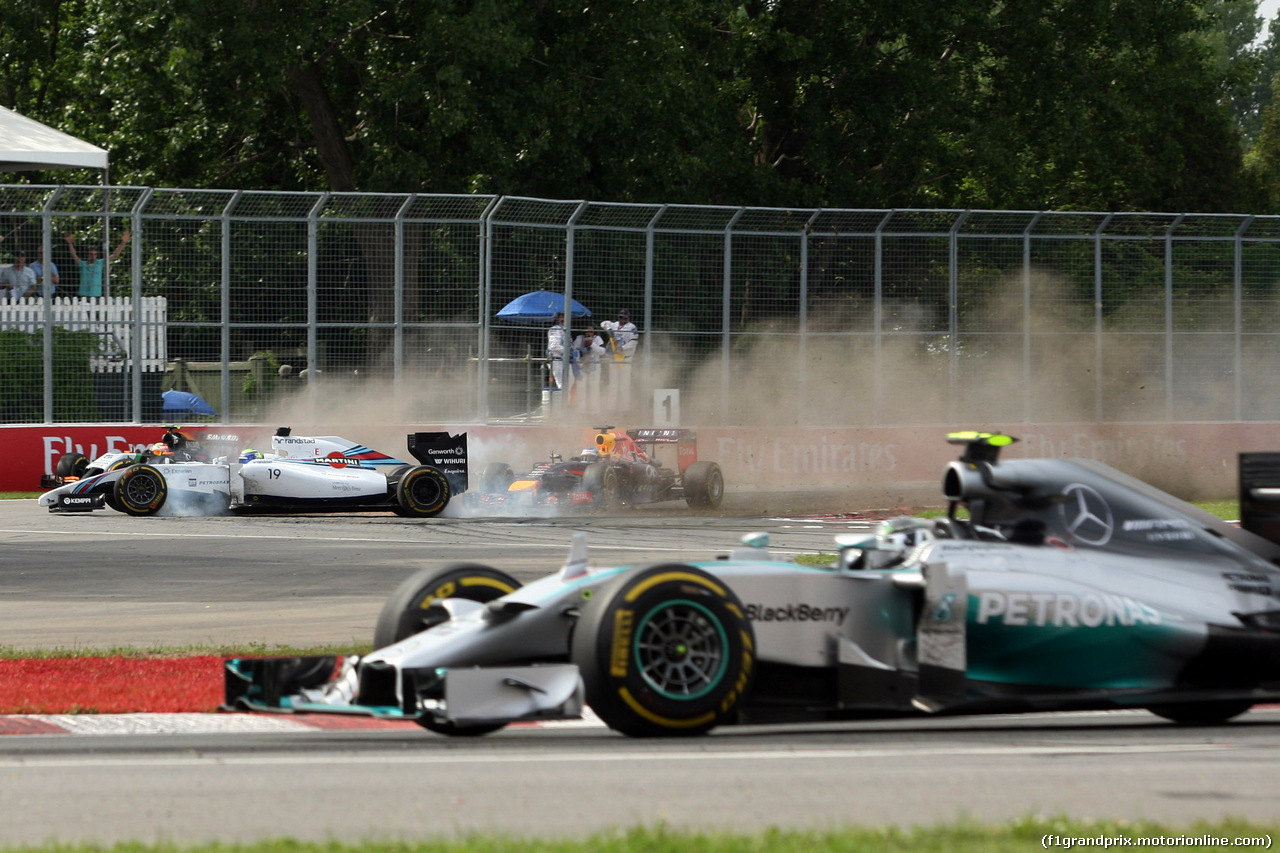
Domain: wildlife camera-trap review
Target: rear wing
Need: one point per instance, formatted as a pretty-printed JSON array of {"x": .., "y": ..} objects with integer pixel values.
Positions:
[
  {"x": 685, "y": 440},
  {"x": 216, "y": 443},
  {"x": 444, "y": 452}
]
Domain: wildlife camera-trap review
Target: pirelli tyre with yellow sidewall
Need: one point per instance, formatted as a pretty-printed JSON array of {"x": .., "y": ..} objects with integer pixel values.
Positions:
[
  {"x": 140, "y": 490},
  {"x": 410, "y": 611},
  {"x": 665, "y": 650}
]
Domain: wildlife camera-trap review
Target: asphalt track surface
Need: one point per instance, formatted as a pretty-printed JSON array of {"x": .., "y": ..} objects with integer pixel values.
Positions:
[{"x": 99, "y": 580}]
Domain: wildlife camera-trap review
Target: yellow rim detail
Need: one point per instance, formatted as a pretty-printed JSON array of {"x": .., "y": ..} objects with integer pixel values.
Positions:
[
  {"x": 666, "y": 722},
  {"x": 482, "y": 581},
  {"x": 644, "y": 587}
]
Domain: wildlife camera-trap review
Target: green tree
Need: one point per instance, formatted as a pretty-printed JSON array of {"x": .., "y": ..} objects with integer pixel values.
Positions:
[{"x": 1112, "y": 104}]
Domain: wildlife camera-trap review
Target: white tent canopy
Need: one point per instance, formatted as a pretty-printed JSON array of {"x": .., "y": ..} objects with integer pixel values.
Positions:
[{"x": 26, "y": 144}]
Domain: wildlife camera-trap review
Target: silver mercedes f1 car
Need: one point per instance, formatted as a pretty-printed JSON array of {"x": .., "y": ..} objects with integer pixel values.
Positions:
[{"x": 1049, "y": 585}]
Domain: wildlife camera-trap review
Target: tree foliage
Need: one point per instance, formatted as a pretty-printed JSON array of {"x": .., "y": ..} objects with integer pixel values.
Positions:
[{"x": 1063, "y": 104}]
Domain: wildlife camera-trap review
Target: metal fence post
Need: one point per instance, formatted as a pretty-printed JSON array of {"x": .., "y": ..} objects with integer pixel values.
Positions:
[
  {"x": 1026, "y": 314},
  {"x": 1237, "y": 321},
  {"x": 802, "y": 322},
  {"x": 224, "y": 305},
  {"x": 1168, "y": 317},
  {"x": 569, "y": 239},
  {"x": 46, "y": 270},
  {"x": 313, "y": 289},
  {"x": 1097, "y": 316},
  {"x": 650, "y": 236},
  {"x": 397, "y": 344},
  {"x": 726, "y": 312},
  {"x": 878, "y": 333},
  {"x": 135, "y": 295},
  {"x": 485, "y": 226},
  {"x": 953, "y": 315}
]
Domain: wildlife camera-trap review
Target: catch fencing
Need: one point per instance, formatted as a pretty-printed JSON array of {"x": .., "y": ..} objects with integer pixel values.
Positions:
[{"x": 387, "y": 304}]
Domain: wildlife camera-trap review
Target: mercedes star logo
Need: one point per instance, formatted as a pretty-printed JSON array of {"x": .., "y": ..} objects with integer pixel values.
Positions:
[{"x": 1086, "y": 515}]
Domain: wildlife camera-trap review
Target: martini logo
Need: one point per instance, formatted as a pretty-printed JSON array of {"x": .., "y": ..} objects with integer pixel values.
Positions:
[{"x": 337, "y": 460}]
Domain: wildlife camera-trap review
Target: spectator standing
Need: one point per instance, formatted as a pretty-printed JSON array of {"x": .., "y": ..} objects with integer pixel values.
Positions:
[
  {"x": 38, "y": 268},
  {"x": 18, "y": 278},
  {"x": 555, "y": 355},
  {"x": 624, "y": 338},
  {"x": 91, "y": 271},
  {"x": 588, "y": 349}
]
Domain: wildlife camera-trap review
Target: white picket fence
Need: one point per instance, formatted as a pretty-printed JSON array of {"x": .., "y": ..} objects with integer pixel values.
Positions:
[{"x": 110, "y": 317}]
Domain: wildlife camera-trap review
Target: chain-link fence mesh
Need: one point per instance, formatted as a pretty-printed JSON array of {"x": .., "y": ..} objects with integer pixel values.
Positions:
[{"x": 266, "y": 303}]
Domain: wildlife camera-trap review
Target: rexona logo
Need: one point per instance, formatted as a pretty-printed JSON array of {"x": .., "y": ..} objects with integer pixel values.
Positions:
[
  {"x": 1059, "y": 610},
  {"x": 796, "y": 613}
]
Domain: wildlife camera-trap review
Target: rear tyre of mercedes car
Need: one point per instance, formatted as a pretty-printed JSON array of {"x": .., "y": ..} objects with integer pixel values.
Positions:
[
  {"x": 703, "y": 485},
  {"x": 408, "y": 611},
  {"x": 422, "y": 492},
  {"x": 665, "y": 651},
  {"x": 141, "y": 490},
  {"x": 1202, "y": 713},
  {"x": 71, "y": 465}
]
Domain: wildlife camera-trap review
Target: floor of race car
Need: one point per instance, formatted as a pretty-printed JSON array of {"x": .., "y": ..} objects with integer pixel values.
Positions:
[{"x": 238, "y": 723}]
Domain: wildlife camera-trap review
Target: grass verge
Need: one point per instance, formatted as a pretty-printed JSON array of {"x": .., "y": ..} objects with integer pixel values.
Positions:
[{"x": 963, "y": 837}]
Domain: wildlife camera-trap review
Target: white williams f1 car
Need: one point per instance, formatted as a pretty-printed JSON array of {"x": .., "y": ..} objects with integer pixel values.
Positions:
[
  {"x": 1051, "y": 585},
  {"x": 178, "y": 475}
]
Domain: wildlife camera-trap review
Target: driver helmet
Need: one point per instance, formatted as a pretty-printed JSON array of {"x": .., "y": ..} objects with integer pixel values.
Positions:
[
  {"x": 160, "y": 448},
  {"x": 249, "y": 454},
  {"x": 590, "y": 453},
  {"x": 903, "y": 533}
]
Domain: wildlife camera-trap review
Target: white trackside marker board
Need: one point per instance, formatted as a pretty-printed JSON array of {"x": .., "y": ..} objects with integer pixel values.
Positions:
[{"x": 666, "y": 407}]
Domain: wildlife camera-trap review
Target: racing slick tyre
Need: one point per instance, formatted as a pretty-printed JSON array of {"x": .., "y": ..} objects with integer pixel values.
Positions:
[
  {"x": 114, "y": 466},
  {"x": 407, "y": 613},
  {"x": 603, "y": 482},
  {"x": 496, "y": 477},
  {"x": 703, "y": 485},
  {"x": 1202, "y": 713},
  {"x": 109, "y": 495},
  {"x": 141, "y": 490},
  {"x": 423, "y": 492},
  {"x": 71, "y": 465},
  {"x": 663, "y": 651}
]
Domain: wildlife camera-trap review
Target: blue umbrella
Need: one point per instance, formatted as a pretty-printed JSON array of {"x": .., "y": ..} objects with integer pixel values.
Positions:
[
  {"x": 541, "y": 306},
  {"x": 186, "y": 403}
]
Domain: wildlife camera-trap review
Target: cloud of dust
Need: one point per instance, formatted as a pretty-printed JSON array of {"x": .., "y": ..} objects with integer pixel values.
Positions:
[{"x": 1016, "y": 370}]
